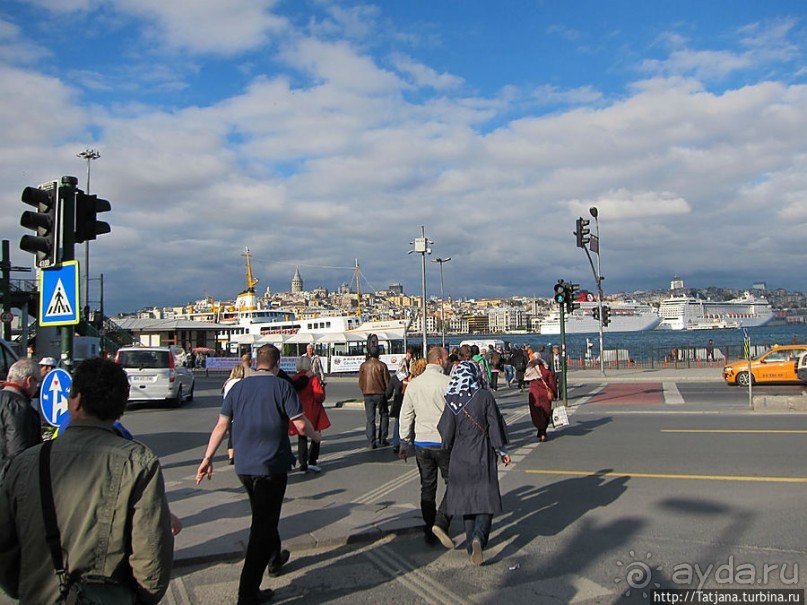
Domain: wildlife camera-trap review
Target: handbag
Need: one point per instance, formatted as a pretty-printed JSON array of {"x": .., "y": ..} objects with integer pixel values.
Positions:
[
  {"x": 549, "y": 394},
  {"x": 74, "y": 589},
  {"x": 560, "y": 417}
]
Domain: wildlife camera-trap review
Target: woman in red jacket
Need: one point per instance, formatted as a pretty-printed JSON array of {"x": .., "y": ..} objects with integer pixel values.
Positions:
[
  {"x": 311, "y": 394},
  {"x": 542, "y": 392}
]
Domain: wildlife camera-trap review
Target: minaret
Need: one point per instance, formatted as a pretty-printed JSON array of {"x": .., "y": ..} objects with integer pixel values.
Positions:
[{"x": 296, "y": 281}]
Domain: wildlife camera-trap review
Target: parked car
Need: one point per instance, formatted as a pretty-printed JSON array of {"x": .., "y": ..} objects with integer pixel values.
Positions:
[
  {"x": 7, "y": 357},
  {"x": 775, "y": 365},
  {"x": 155, "y": 373}
]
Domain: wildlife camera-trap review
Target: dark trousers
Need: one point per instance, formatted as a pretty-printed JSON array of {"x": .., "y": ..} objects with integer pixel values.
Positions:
[
  {"x": 306, "y": 456},
  {"x": 266, "y": 494},
  {"x": 371, "y": 403},
  {"x": 477, "y": 526},
  {"x": 430, "y": 460}
]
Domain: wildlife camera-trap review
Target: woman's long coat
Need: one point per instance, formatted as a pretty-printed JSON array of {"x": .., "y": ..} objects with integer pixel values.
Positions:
[{"x": 473, "y": 482}]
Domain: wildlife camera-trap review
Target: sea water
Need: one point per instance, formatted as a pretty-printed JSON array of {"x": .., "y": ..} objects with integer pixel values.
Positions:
[{"x": 655, "y": 345}]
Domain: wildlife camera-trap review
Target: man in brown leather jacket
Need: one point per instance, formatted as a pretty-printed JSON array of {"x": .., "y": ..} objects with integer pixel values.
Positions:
[{"x": 373, "y": 381}]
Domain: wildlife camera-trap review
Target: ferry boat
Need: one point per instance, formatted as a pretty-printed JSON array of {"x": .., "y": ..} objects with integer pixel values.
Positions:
[
  {"x": 245, "y": 311},
  {"x": 626, "y": 316},
  {"x": 684, "y": 312}
]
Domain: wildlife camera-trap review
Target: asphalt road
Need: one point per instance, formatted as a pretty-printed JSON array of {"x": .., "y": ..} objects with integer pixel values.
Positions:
[{"x": 651, "y": 485}]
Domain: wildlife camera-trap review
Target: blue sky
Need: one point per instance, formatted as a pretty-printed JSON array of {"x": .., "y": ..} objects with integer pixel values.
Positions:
[{"x": 317, "y": 132}]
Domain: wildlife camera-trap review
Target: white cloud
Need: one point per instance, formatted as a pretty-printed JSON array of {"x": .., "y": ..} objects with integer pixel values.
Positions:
[
  {"x": 331, "y": 155},
  {"x": 208, "y": 26},
  {"x": 424, "y": 76}
]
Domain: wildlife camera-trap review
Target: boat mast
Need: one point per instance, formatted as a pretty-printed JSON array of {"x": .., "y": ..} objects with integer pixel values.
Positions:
[
  {"x": 251, "y": 281},
  {"x": 358, "y": 290}
]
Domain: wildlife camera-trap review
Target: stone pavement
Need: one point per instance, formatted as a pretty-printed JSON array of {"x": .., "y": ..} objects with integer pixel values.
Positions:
[{"x": 339, "y": 505}]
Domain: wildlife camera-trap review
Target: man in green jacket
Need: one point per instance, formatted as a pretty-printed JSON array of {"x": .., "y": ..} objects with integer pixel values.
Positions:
[{"x": 108, "y": 494}]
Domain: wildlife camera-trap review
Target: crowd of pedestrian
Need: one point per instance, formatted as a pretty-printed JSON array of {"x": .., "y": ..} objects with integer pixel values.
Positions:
[{"x": 113, "y": 538}]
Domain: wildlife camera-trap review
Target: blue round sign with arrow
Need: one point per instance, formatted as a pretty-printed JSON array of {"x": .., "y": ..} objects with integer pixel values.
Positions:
[{"x": 53, "y": 395}]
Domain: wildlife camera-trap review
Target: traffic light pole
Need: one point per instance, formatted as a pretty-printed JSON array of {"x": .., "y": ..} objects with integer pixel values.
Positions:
[
  {"x": 565, "y": 393},
  {"x": 67, "y": 191}
]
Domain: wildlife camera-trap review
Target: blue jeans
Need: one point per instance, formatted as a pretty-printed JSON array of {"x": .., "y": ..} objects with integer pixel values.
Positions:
[
  {"x": 371, "y": 403},
  {"x": 509, "y": 372},
  {"x": 477, "y": 526},
  {"x": 266, "y": 494},
  {"x": 396, "y": 437}
]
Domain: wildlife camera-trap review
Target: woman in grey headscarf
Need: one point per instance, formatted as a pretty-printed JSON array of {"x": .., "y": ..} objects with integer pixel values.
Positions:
[{"x": 473, "y": 429}]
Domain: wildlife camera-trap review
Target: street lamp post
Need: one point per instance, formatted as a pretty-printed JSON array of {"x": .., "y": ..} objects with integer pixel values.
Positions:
[
  {"x": 422, "y": 247},
  {"x": 89, "y": 155},
  {"x": 442, "y": 298}
]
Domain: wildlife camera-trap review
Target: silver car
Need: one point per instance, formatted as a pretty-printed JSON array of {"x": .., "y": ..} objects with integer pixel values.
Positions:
[{"x": 156, "y": 374}]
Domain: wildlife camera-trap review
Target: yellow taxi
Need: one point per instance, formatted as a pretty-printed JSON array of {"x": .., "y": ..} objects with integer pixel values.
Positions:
[{"x": 775, "y": 365}]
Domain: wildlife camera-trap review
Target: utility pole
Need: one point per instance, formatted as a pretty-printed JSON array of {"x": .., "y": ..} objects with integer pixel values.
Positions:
[
  {"x": 67, "y": 193},
  {"x": 592, "y": 244}
]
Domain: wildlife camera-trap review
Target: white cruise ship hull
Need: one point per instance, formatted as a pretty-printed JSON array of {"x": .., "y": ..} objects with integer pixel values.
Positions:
[
  {"x": 687, "y": 313},
  {"x": 582, "y": 321}
]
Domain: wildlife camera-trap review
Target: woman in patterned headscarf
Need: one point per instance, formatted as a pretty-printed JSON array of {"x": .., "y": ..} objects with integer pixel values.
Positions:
[{"x": 473, "y": 429}]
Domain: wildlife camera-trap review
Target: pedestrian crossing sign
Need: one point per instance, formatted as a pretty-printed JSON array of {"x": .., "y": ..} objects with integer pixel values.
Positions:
[{"x": 58, "y": 295}]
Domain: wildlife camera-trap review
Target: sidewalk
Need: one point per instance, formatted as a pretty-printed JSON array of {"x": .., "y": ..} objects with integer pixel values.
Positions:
[{"x": 338, "y": 506}]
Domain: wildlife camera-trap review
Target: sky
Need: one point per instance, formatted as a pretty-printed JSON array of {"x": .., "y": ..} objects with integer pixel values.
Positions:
[{"x": 319, "y": 133}]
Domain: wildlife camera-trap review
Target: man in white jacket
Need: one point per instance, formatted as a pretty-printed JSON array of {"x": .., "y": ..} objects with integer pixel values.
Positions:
[{"x": 422, "y": 408}]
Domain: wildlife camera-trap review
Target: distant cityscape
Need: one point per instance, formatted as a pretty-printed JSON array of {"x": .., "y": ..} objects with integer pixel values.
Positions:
[{"x": 466, "y": 315}]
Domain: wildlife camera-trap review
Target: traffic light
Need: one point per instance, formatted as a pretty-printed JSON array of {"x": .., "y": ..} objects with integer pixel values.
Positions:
[
  {"x": 606, "y": 315},
  {"x": 596, "y": 313},
  {"x": 572, "y": 292},
  {"x": 560, "y": 292},
  {"x": 87, "y": 224},
  {"x": 582, "y": 232},
  {"x": 46, "y": 221}
]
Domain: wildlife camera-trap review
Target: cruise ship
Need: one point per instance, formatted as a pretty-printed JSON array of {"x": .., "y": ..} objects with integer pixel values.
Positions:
[
  {"x": 626, "y": 316},
  {"x": 683, "y": 312}
]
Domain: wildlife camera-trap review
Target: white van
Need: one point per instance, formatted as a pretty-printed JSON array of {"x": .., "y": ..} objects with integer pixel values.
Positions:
[
  {"x": 484, "y": 343},
  {"x": 155, "y": 373}
]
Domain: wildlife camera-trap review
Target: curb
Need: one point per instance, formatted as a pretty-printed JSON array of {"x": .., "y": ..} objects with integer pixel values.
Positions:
[{"x": 303, "y": 544}]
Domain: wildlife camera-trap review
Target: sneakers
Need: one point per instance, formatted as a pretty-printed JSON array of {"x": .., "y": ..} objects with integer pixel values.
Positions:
[
  {"x": 277, "y": 569},
  {"x": 262, "y": 596},
  {"x": 476, "y": 551},
  {"x": 443, "y": 536},
  {"x": 314, "y": 468}
]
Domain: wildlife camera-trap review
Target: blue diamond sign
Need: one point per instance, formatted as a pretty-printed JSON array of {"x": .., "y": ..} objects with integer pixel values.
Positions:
[{"x": 58, "y": 295}]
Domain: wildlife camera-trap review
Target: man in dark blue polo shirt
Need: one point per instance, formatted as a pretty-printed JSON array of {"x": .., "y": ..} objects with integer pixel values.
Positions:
[{"x": 260, "y": 407}]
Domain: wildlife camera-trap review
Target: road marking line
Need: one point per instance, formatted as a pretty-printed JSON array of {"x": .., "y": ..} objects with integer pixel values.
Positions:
[
  {"x": 412, "y": 578},
  {"x": 672, "y": 396},
  {"x": 385, "y": 489},
  {"x": 672, "y": 476},
  {"x": 774, "y": 431}
]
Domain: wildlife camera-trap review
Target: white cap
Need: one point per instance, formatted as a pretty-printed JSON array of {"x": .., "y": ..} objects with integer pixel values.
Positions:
[{"x": 49, "y": 361}]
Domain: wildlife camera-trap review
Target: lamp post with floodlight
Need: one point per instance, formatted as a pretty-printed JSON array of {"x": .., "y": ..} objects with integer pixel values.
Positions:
[
  {"x": 422, "y": 247},
  {"x": 89, "y": 155},
  {"x": 442, "y": 298}
]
